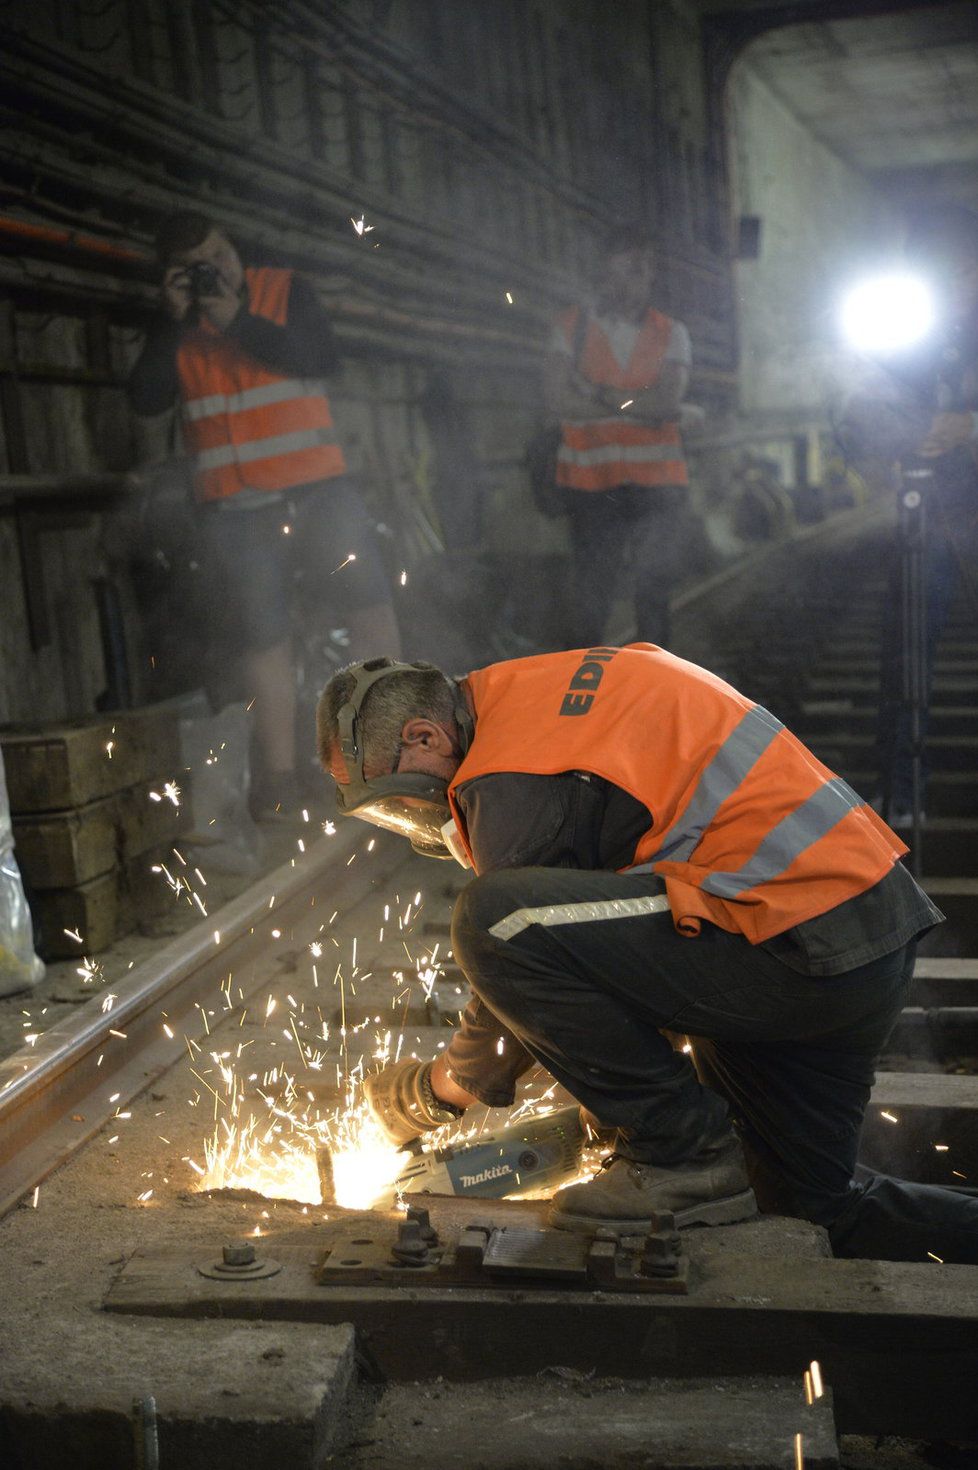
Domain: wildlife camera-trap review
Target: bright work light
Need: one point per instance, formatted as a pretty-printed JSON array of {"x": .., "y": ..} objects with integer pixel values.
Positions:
[{"x": 887, "y": 313}]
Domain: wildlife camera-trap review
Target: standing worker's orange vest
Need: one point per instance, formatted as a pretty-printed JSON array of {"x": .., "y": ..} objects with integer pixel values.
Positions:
[
  {"x": 602, "y": 453},
  {"x": 747, "y": 828},
  {"x": 248, "y": 427}
]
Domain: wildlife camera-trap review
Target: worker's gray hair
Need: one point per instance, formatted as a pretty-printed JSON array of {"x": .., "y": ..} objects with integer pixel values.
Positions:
[{"x": 409, "y": 694}]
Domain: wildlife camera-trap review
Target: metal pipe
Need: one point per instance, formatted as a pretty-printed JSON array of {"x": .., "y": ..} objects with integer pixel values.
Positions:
[{"x": 38, "y": 234}]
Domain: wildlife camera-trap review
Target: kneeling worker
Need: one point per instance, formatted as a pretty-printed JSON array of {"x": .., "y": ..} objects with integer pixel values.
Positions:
[{"x": 655, "y": 854}]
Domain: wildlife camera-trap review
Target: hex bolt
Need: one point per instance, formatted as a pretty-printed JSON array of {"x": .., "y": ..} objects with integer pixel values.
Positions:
[
  {"x": 241, "y": 1253},
  {"x": 423, "y": 1216},
  {"x": 410, "y": 1247}
]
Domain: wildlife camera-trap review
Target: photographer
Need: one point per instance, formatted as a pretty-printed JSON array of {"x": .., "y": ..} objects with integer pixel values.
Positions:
[{"x": 242, "y": 350}]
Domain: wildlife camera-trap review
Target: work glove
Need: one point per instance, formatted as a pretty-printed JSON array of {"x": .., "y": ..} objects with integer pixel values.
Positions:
[{"x": 403, "y": 1104}]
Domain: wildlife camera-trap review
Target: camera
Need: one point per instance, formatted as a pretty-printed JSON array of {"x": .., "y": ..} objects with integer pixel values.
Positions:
[{"x": 204, "y": 278}]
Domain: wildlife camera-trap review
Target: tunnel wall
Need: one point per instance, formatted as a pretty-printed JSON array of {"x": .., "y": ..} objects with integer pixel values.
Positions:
[
  {"x": 487, "y": 145},
  {"x": 820, "y": 221}
]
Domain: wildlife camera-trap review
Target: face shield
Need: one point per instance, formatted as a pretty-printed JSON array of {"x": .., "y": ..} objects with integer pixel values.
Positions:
[{"x": 411, "y": 803}]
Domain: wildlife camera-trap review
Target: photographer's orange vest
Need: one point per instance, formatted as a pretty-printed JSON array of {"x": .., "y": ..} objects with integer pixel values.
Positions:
[
  {"x": 247, "y": 426},
  {"x": 604, "y": 452},
  {"x": 747, "y": 828}
]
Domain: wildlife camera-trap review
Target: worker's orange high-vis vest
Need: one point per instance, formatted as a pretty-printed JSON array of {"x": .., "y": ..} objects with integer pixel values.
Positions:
[
  {"x": 247, "y": 426},
  {"x": 747, "y": 828},
  {"x": 599, "y": 454}
]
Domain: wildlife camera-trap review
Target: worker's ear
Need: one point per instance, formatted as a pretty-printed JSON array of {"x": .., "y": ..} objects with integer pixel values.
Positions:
[{"x": 428, "y": 735}]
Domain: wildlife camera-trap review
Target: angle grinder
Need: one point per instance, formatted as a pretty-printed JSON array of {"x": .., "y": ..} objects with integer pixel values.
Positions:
[{"x": 531, "y": 1155}]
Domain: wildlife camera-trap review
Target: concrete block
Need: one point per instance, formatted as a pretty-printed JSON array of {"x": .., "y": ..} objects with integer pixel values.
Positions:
[
  {"x": 579, "y": 1423},
  {"x": 53, "y": 768},
  {"x": 63, "y": 849},
  {"x": 227, "y": 1394}
]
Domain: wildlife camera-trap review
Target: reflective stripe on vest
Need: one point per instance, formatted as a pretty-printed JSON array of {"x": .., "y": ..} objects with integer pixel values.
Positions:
[
  {"x": 248, "y": 427},
  {"x": 278, "y": 392},
  {"x": 250, "y": 450},
  {"x": 720, "y": 779},
  {"x": 783, "y": 844},
  {"x": 746, "y": 827},
  {"x": 617, "y": 453},
  {"x": 786, "y": 842}
]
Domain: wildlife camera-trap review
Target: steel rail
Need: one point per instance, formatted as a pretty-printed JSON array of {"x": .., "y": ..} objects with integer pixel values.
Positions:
[{"x": 56, "y": 1095}]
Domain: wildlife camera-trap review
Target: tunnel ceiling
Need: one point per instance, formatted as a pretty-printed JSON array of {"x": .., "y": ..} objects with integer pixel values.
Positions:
[{"x": 893, "y": 90}]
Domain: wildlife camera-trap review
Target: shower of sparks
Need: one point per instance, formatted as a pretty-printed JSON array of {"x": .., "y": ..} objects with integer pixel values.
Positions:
[
  {"x": 278, "y": 1130},
  {"x": 172, "y": 792},
  {"x": 359, "y": 225},
  {"x": 351, "y": 557}
]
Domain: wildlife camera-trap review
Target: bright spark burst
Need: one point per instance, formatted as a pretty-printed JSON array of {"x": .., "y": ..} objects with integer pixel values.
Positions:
[
  {"x": 271, "y": 1132},
  {"x": 359, "y": 225}
]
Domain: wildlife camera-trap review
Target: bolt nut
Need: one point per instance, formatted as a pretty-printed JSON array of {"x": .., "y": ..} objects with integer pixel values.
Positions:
[
  {"x": 660, "y": 1255},
  {"x": 242, "y": 1253},
  {"x": 410, "y": 1247},
  {"x": 422, "y": 1216}
]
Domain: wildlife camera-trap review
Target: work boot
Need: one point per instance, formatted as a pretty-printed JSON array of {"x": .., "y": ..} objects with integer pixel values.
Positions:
[{"x": 712, "y": 1189}]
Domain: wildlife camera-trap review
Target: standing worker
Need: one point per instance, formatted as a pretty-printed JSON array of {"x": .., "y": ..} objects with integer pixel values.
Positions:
[
  {"x": 243, "y": 350},
  {"x": 615, "y": 378},
  {"x": 655, "y": 854}
]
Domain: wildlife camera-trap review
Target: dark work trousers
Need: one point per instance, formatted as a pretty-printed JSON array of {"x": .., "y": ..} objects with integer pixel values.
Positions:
[
  {"x": 948, "y": 561},
  {"x": 630, "y": 532},
  {"x": 592, "y": 984}
]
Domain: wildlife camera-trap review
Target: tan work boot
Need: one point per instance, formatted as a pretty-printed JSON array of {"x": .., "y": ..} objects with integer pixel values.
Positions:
[{"x": 711, "y": 1190}]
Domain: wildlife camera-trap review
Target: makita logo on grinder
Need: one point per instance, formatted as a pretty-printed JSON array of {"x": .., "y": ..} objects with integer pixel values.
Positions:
[{"x": 483, "y": 1177}]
